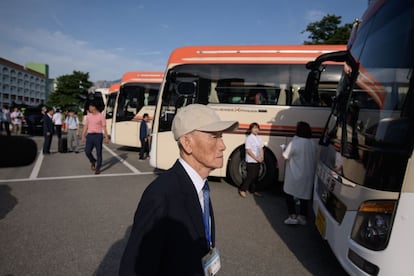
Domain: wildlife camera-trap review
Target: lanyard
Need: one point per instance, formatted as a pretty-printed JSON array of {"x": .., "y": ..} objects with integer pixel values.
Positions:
[{"x": 206, "y": 213}]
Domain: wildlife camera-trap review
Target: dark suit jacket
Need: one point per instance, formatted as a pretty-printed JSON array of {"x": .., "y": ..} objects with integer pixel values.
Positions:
[
  {"x": 143, "y": 130},
  {"x": 168, "y": 236},
  {"x": 48, "y": 125}
]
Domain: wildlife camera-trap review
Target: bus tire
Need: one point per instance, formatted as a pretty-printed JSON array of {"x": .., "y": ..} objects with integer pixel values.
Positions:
[{"x": 268, "y": 175}]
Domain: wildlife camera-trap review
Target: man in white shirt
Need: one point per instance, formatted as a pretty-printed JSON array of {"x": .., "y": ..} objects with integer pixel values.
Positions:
[
  {"x": 57, "y": 121},
  {"x": 72, "y": 126}
]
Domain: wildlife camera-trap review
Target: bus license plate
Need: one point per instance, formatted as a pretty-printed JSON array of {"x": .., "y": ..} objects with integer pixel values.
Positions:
[{"x": 320, "y": 223}]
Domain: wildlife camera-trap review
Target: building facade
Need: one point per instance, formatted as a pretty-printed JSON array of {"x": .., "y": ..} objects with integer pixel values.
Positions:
[{"x": 20, "y": 85}]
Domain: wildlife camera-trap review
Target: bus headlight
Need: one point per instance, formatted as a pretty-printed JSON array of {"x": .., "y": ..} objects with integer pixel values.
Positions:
[{"x": 373, "y": 224}]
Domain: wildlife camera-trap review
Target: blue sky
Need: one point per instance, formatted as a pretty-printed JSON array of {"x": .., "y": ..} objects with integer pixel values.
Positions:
[{"x": 108, "y": 38}]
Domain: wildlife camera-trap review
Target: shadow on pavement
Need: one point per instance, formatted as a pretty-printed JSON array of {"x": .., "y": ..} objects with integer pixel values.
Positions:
[
  {"x": 127, "y": 148},
  {"x": 7, "y": 201},
  {"x": 303, "y": 241},
  {"x": 112, "y": 259},
  {"x": 108, "y": 163}
]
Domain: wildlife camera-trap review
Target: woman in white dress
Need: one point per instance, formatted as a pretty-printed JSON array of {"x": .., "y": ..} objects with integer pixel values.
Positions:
[{"x": 300, "y": 155}]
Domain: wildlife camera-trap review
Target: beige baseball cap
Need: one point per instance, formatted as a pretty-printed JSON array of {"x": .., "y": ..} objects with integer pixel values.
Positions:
[{"x": 199, "y": 117}]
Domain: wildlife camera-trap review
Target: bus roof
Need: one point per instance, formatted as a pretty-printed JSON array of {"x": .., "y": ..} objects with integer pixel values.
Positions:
[
  {"x": 284, "y": 54},
  {"x": 140, "y": 77},
  {"x": 114, "y": 87},
  {"x": 104, "y": 91}
]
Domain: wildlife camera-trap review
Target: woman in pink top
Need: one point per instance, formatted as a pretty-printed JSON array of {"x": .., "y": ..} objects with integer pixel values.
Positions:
[{"x": 94, "y": 125}]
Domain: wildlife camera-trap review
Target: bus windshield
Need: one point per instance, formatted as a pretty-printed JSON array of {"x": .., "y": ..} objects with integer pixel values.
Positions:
[
  {"x": 111, "y": 100},
  {"x": 137, "y": 95},
  {"x": 134, "y": 97},
  {"x": 375, "y": 128}
]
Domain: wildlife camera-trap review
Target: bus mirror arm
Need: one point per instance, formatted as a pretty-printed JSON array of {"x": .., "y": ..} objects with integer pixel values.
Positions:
[
  {"x": 340, "y": 100},
  {"x": 339, "y": 56},
  {"x": 316, "y": 69}
]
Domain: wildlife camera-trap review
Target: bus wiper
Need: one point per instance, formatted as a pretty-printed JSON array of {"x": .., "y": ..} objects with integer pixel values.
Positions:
[{"x": 329, "y": 134}]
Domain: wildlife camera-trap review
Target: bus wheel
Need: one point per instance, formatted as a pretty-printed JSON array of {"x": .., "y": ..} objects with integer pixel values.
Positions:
[
  {"x": 268, "y": 174},
  {"x": 236, "y": 169}
]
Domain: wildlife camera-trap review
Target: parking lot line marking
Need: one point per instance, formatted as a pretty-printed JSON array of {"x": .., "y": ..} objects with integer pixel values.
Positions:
[
  {"x": 36, "y": 167},
  {"x": 72, "y": 177},
  {"x": 123, "y": 161}
]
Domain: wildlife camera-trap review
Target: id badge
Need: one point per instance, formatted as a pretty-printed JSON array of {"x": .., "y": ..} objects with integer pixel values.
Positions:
[{"x": 211, "y": 262}]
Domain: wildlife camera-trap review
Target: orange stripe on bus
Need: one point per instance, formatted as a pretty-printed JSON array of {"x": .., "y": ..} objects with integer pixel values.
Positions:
[
  {"x": 140, "y": 77},
  {"x": 289, "y": 54}
]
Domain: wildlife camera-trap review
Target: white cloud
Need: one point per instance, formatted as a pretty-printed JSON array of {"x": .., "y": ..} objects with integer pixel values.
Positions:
[
  {"x": 314, "y": 15},
  {"x": 57, "y": 20},
  {"x": 64, "y": 54}
]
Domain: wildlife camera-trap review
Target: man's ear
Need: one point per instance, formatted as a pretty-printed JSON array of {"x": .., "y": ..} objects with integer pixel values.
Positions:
[{"x": 186, "y": 143}]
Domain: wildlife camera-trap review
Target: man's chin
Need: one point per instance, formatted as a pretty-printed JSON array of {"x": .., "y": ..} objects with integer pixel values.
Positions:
[{"x": 218, "y": 165}]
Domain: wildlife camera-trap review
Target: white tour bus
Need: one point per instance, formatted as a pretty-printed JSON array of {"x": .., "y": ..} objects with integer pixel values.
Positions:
[
  {"x": 364, "y": 184},
  {"x": 99, "y": 95},
  {"x": 137, "y": 95},
  {"x": 263, "y": 84}
]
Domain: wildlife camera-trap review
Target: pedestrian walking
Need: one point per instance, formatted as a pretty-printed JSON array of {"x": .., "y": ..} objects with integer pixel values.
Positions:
[
  {"x": 144, "y": 137},
  {"x": 16, "y": 119},
  {"x": 301, "y": 156},
  {"x": 48, "y": 130},
  {"x": 174, "y": 228},
  {"x": 72, "y": 127},
  {"x": 6, "y": 119},
  {"x": 254, "y": 157},
  {"x": 93, "y": 134}
]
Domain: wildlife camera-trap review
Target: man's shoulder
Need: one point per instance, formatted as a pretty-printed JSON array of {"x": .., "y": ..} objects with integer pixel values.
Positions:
[
  {"x": 171, "y": 178},
  {"x": 171, "y": 175}
]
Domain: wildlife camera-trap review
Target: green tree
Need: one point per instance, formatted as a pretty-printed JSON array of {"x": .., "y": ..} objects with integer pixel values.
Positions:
[
  {"x": 328, "y": 31},
  {"x": 71, "y": 91}
]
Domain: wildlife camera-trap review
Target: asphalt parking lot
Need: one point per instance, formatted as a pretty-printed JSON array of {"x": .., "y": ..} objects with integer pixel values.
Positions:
[{"x": 58, "y": 218}]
